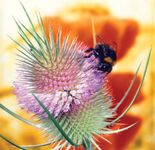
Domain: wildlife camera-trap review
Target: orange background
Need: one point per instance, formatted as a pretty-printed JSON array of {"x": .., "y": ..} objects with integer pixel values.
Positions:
[{"x": 129, "y": 23}]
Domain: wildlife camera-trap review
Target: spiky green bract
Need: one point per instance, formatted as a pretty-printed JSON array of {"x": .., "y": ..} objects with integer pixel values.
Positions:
[
  {"x": 17, "y": 116},
  {"x": 84, "y": 121},
  {"x": 9, "y": 141},
  {"x": 44, "y": 56}
]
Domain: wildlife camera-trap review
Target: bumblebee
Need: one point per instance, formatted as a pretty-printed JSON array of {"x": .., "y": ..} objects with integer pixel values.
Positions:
[{"x": 106, "y": 56}]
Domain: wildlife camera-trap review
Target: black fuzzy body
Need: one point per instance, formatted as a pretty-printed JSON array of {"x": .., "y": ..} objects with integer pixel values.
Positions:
[{"x": 101, "y": 52}]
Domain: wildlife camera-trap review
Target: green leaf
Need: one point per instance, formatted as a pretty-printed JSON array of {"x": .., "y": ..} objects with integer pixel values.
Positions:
[
  {"x": 48, "y": 48},
  {"x": 119, "y": 130},
  {"x": 23, "y": 34},
  {"x": 35, "y": 35},
  {"x": 17, "y": 116},
  {"x": 137, "y": 92},
  {"x": 27, "y": 53},
  {"x": 128, "y": 90},
  {"x": 26, "y": 38},
  {"x": 39, "y": 41},
  {"x": 64, "y": 46},
  {"x": 36, "y": 146},
  {"x": 51, "y": 117},
  {"x": 30, "y": 21},
  {"x": 87, "y": 145},
  {"x": 10, "y": 142},
  {"x": 57, "y": 48}
]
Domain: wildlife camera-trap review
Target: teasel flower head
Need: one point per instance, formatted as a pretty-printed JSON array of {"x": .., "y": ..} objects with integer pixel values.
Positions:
[
  {"x": 64, "y": 90},
  {"x": 58, "y": 74},
  {"x": 68, "y": 85}
]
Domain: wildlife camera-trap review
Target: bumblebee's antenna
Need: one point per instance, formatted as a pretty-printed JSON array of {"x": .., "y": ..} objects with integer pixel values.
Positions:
[{"x": 93, "y": 32}]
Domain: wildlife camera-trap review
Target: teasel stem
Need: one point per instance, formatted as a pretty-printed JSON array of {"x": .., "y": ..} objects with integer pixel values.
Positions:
[{"x": 88, "y": 145}]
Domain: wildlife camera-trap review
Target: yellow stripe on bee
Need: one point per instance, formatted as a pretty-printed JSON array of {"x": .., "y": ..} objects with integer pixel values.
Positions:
[{"x": 109, "y": 60}]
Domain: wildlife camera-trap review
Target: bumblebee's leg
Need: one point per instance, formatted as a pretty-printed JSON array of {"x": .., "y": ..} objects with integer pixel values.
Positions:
[
  {"x": 89, "y": 50},
  {"x": 88, "y": 56}
]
